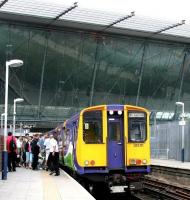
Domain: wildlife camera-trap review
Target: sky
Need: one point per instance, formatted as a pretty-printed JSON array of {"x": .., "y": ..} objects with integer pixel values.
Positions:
[{"x": 172, "y": 10}]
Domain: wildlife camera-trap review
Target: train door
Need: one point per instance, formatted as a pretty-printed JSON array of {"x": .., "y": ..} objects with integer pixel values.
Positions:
[{"x": 115, "y": 143}]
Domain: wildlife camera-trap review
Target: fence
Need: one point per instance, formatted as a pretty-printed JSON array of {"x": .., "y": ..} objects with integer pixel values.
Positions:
[{"x": 166, "y": 141}]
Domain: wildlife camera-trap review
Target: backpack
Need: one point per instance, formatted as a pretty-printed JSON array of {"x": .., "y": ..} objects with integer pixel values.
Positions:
[{"x": 12, "y": 145}]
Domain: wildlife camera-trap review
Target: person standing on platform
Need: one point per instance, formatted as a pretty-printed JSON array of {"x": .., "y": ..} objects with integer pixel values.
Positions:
[
  {"x": 19, "y": 150},
  {"x": 28, "y": 153},
  {"x": 35, "y": 151},
  {"x": 11, "y": 150},
  {"x": 54, "y": 156},
  {"x": 47, "y": 150}
]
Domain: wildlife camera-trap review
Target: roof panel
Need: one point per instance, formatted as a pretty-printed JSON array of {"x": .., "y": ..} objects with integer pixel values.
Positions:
[
  {"x": 46, "y": 10},
  {"x": 34, "y": 8},
  {"x": 147, "y": 24},
  {"x": 180, "y": 31},
  {"x": 91, "y": 16}
]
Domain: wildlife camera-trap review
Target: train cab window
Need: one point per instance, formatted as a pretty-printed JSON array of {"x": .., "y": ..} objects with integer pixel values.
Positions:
[
  {"x": 137, "y": 127},
  {"x": 92, "y": 127}
]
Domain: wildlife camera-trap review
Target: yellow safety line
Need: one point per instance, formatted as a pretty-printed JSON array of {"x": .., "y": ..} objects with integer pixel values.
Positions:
[{"x": 50, "y": 190}]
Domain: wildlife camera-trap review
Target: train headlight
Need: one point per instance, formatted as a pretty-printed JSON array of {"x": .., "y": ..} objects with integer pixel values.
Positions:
[
  {"x": 119, "y": 112},
  {"x": 144, "y": 161},
  {"x": 132, "y": 162},
  {"x": 86, "y": 162},
  {"x": 111, "y": 112}
]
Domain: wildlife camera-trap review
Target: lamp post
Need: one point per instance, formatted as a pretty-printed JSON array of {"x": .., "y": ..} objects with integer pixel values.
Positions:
[
  {"x": 18, "y": 100},
  {"x": 182, "y": 124},
  {"x": 10, "y": 63}
]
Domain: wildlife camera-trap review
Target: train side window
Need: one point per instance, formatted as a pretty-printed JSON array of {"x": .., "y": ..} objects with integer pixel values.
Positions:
[
  {"x": 137, "y": 127},
  {"x": 66, "y": 138},
  {"x": 92, "y": 127}
]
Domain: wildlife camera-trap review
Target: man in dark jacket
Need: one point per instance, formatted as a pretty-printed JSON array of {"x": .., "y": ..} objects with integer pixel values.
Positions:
[
  {"x": 11, "y": 150},
  {"x": 35, "y": 151}
]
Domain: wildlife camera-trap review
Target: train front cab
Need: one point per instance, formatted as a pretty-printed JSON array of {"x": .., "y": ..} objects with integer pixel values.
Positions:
[
  {"x": 128, "y": 139},
  {"x": 120, "y": 142}
]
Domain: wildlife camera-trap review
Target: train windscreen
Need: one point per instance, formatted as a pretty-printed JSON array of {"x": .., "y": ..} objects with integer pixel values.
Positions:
[
  {"x": 92, "y": 127},
  {"x": 137, "y": 126}
]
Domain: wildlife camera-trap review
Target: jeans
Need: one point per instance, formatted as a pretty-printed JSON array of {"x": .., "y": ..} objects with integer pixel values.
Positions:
[{"x": 28, "y": 157}]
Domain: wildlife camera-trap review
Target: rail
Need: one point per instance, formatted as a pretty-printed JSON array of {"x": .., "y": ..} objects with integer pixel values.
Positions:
[{"x": 167, "y": 190}]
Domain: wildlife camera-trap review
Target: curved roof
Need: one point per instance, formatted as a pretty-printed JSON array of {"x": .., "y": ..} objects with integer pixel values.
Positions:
[{"x": 73, "y": 16}]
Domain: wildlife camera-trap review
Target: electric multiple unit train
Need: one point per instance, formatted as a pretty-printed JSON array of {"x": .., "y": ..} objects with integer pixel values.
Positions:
[{"x": 107, "y": 143}]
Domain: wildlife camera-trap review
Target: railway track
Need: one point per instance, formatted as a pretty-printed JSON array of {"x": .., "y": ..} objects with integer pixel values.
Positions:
[
  {"x": 163, "y": 190},
  {"x": 154, "y": 188}
]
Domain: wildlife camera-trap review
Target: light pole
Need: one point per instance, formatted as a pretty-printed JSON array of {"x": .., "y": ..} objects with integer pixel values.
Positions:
[
  {"x": 10, "y": 63},
  {"x": 182, "y": 124},
  {"x": 18, "y": 100}
]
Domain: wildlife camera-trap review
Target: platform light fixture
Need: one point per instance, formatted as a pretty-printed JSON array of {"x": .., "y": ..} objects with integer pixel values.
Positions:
[
  {"x": 18, "y": 100},
  {"x": 10, "y": 63}
]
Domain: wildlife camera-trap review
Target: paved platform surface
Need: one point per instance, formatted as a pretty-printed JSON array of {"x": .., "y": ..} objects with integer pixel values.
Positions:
[
  {"x": 26, "y": 184},
  {"x": 171, "y": 163}
]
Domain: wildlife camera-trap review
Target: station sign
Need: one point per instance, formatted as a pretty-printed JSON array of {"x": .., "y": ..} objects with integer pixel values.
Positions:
[
  {"x": 182, "y": 123},
  {"x": 134, "y": 115}
]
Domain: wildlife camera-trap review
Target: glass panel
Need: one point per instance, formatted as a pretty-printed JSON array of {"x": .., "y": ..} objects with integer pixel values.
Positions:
[
  {"x": 161, "y": 75},
  {"x": 92, "y": 127},
  {"x": 78, "y": 64}
]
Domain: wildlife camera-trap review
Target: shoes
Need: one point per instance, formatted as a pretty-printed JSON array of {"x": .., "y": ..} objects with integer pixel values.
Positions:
[
  {"x": 51, "y": 173},
  {"x": 14, "y": 170},
  {"x": 56, "y": 174}
]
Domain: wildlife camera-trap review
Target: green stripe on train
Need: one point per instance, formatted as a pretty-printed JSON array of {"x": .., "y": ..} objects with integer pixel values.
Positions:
[{"x": 68, "y": 159}]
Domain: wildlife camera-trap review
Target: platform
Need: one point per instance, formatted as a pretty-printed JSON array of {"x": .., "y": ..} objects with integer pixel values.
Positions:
[
  {"x": 26, "y": 184},
  {"x": 171, "y": 163}
]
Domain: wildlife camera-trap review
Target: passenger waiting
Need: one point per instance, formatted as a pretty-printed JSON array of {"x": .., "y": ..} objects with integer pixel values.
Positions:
[
  {"x": 47, "y": 150},
  {"x": 19, "y": 151},
  {"x": 35, "y": 152},
  {"x": 28, "y": 153},
  {"x": 11, "y": 149},
  {"x": 54, "y": 156}
]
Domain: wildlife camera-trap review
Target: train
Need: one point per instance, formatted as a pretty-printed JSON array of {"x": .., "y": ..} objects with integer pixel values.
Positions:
[{"x": 107, "y": 144}]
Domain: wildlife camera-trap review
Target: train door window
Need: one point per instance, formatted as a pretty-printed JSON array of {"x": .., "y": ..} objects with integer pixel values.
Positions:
[
  {"x": 137, "y": 127},
  {"x": 114, "y": 131},
  {"x": 63, "y": 136},
  {"x": 92, "y": 127},
  {"x": 74, "y": 134}
]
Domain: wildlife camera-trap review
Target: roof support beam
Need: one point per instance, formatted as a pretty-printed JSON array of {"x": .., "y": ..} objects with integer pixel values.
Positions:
[
  {"x": 42, "y": 77},
  {"x": 66, "y": 11},
  {"x": 141, "y": 74},
  {"x": 185, "y": 64},
  {"x": 170, "y": 27},
  {"x": 119, "y": 20},
  {"x": 3, "y": 3},
  {"x": 63, "y": 13},
  {"x": 94, "y": 73}
]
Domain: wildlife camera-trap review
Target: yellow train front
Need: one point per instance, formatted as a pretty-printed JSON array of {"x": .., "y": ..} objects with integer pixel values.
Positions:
[{"x": 110, "y": 143}]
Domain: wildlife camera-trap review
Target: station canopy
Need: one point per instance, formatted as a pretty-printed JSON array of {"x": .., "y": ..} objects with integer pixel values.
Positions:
[{"x": 75, "y": 57}]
